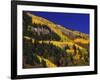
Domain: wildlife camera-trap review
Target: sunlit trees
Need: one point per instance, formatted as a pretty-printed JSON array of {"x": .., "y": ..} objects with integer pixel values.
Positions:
[{"x": 46, "y": 45}]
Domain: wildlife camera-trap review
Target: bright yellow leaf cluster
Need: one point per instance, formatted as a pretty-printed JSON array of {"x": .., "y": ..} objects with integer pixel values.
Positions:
[
  {"x": 48, "y": 62},
  {"x": 80, "y": 40}
]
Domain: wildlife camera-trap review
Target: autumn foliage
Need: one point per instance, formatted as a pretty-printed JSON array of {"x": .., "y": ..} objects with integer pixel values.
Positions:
[{"x": 46, "y": 44}]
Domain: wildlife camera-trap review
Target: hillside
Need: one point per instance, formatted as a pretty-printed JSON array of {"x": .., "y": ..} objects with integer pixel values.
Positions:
[{"x": 46, "y": 44}]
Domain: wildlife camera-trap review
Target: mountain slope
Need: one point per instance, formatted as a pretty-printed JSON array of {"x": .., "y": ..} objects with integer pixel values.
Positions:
[
  {"x": 53, "y": 44},
  {"x": 51, "y": 25}
]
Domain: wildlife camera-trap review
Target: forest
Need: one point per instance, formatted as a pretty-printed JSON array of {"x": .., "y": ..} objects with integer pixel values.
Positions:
[{"x": 44, "y": 47}]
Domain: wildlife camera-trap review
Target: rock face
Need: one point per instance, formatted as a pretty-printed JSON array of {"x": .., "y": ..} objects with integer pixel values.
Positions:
[
  {"x": 46, "y": 44},
  {"x": 39, "y": 30}
]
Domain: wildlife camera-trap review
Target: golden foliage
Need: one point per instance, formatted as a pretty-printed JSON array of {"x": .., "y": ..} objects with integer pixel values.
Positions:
[
  {"x": 70, "y": 51},
  {"x": 65, "y": 41},
  {"x": 26, "y": 37},
  {"x": 48, "y": 62},
  {"x": 80, "y": 40},
  {"x": 51, "y": 25},
  {"x": 77, "y": 57},
  {"x": 40, "y": 59}
]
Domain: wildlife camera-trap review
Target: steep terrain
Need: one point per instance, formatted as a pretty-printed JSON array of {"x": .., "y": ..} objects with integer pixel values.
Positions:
[{"x": 46, "y": 44}]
